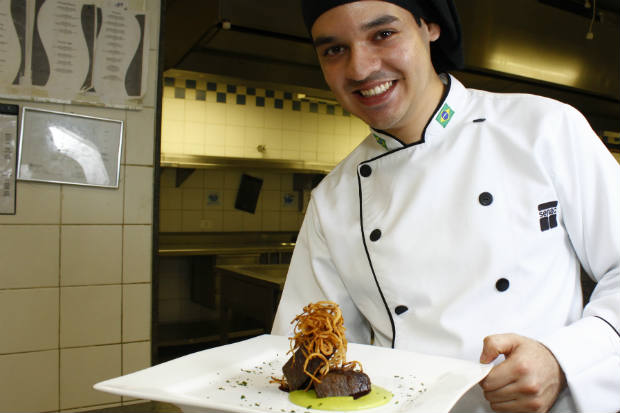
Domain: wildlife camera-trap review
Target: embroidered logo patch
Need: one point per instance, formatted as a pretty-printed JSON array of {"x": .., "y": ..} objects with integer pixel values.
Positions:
[
  {"x": 380, "y": 141},
  {"x": 445, "y": 114},
  {"x": 547, "y": 213}
]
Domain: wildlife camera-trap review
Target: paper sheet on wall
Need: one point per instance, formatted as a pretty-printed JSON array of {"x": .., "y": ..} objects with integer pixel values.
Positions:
[
  {"x": 8, "y": 160},
  {"x": 90, "y": 51}
]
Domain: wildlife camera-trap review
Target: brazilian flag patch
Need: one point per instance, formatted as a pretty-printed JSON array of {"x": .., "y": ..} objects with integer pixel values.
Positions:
[
  {"x": 380, "y": 141},
  {"x": 445, "y": 114}
]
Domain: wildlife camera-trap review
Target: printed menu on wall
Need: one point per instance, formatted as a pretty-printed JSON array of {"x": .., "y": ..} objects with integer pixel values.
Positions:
[{"x": 74, "y": 51}]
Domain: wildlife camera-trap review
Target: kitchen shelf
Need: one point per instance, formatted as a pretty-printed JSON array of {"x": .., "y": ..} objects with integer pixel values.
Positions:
[
  {"x": 192, "y": 244},
  {"x": 226, "y": 162}
]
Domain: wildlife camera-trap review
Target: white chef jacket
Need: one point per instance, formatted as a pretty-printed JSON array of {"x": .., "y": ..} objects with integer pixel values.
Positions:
[{"x": 478, "y": 229}]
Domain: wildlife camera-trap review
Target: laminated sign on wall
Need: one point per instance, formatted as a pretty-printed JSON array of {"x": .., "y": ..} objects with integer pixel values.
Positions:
[
  {"x": 91, "y": 51},
  {"x": 68, "y": 148}
]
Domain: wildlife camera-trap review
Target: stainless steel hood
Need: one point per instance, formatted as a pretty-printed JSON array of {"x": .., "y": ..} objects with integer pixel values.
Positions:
[{"x": 532, "y": 46}]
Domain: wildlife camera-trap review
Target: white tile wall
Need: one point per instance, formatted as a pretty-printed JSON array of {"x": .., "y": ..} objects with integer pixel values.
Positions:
[
  {"x": 29, "y": 320},
  {"x": 191, "y": 221},
  {"x": 139, "y": 132},
  {"x": 233, "y": 221},
  {"x": 37, "y": 203},
  {"x": 149, "y": 100},
  {"x": 66, "y": 257},
  {"x": 136, "y": 356},
  {"x": 90, "y": 315},
  {"x": 80, "y": 368},
  {"x": 87, "y": 205},
  {"x": 91, "y": 407},
  {"x": 29, "y": 256},
  {"x": 188, "y": 208},
  {"x": 136, "y": 312},
  {"x": 138, "y": 195},
  {"x": 137, "y": 246},
  {"x": 100, "y": 259},
  {"x": 208, "y": 127},
  {"x": 170, "y": 221},
  {"x": 171, "y": 197},
  {"x": 193, "y": 198},
  {"x": 29, "y": 382}
]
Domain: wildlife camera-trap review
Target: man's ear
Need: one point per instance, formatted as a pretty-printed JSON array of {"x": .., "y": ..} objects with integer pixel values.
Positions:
[{"x": 434, "y": 31}]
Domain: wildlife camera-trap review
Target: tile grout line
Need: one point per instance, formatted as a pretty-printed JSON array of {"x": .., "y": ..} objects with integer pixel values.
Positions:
[
  {"x": 60, "y": 223},
  {"x": 70, "y": 286},
  {"x": 122, "y": 320},
  {"x": 73, "y": 347}
]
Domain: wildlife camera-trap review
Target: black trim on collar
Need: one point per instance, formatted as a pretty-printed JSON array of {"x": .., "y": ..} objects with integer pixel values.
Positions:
[
  {"x": 423, "y": 139},
  {"x": 610, "y": 325},
  {"x": 391, "y": 136},
  {"x": 441, "y": 102},
  {"x": 387, "y": 308}
]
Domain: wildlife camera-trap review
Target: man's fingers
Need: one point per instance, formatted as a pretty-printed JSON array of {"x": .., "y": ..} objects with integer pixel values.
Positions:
[
  {"x": 503, "y": 394},
  {"x": 507, "y": 406},
  {"x": 506, "y": 372},
  {"x": 498, "y": 344},
  {"x": 519, "y": 405},
  {"x": 500, "y": 376}
]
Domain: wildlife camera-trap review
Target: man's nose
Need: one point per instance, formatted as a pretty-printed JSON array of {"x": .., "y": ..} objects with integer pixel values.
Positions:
[{"x": 362, "y": 62}]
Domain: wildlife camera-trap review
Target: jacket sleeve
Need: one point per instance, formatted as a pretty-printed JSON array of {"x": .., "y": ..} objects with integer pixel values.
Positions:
[
  {"x": 313, "y": 277},
  {"x": 587, "y": 180}
]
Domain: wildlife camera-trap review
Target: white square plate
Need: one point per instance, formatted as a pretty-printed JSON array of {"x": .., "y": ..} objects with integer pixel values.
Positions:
[{"x": 235, "y": 378}]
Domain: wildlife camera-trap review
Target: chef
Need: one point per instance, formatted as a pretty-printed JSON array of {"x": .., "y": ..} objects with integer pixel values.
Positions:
[{"x": 459, "y": 225}]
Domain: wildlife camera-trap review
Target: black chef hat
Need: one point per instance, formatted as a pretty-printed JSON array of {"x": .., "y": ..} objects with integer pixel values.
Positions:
[{"x": 446, "y": 52}]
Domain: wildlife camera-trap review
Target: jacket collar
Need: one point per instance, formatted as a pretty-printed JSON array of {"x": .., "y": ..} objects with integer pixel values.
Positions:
[{"x": 451, "y": 108}]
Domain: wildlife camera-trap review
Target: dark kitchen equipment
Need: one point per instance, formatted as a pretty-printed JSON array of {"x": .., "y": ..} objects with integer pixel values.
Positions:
[{"x": 247, "y": 195}]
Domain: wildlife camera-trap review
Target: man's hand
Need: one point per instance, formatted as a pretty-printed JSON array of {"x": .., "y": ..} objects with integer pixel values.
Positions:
[{"x": 530, "y": 378}]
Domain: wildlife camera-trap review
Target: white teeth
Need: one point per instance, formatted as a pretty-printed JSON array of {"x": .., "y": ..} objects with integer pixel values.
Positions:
[{"x": 377, "y": 89}]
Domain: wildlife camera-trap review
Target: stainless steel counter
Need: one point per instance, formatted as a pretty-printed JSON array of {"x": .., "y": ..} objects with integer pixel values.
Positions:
[
  {"x": 190, "y": 261},
  {"x": 274, "y": 274},
  {"x": 251, "y": 290}
]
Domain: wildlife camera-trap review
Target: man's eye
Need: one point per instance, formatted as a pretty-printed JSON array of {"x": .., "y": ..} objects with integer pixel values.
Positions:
[
  {"x": 384, "y": 34},
  {"x": 333, "y": 51}
]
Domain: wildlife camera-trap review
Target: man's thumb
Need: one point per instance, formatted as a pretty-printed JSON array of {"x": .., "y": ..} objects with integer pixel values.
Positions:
[{"x": 497, "y": 344}]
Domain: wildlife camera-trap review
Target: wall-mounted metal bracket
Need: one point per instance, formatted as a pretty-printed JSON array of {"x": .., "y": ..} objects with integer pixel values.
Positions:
[{"x": 181, "y": 174}]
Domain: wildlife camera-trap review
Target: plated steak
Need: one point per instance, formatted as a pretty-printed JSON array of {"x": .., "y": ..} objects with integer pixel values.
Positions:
[
  {"x": 294, "y": 370},
  {"x": 339, "y": 382}
]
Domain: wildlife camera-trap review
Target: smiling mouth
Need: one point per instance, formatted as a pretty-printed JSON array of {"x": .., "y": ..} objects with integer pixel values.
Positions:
[{"x": 377, "y": 90}]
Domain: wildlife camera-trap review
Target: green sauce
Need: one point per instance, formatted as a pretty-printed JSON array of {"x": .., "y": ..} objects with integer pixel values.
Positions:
[{"x": 378, "y": 396}]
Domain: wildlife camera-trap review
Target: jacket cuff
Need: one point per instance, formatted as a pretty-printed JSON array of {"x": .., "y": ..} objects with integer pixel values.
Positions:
[{"x": 588, "y": 352}]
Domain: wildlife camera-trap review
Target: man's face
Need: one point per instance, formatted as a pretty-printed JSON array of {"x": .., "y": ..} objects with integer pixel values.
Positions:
[{"x": 376, "y": 60}]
